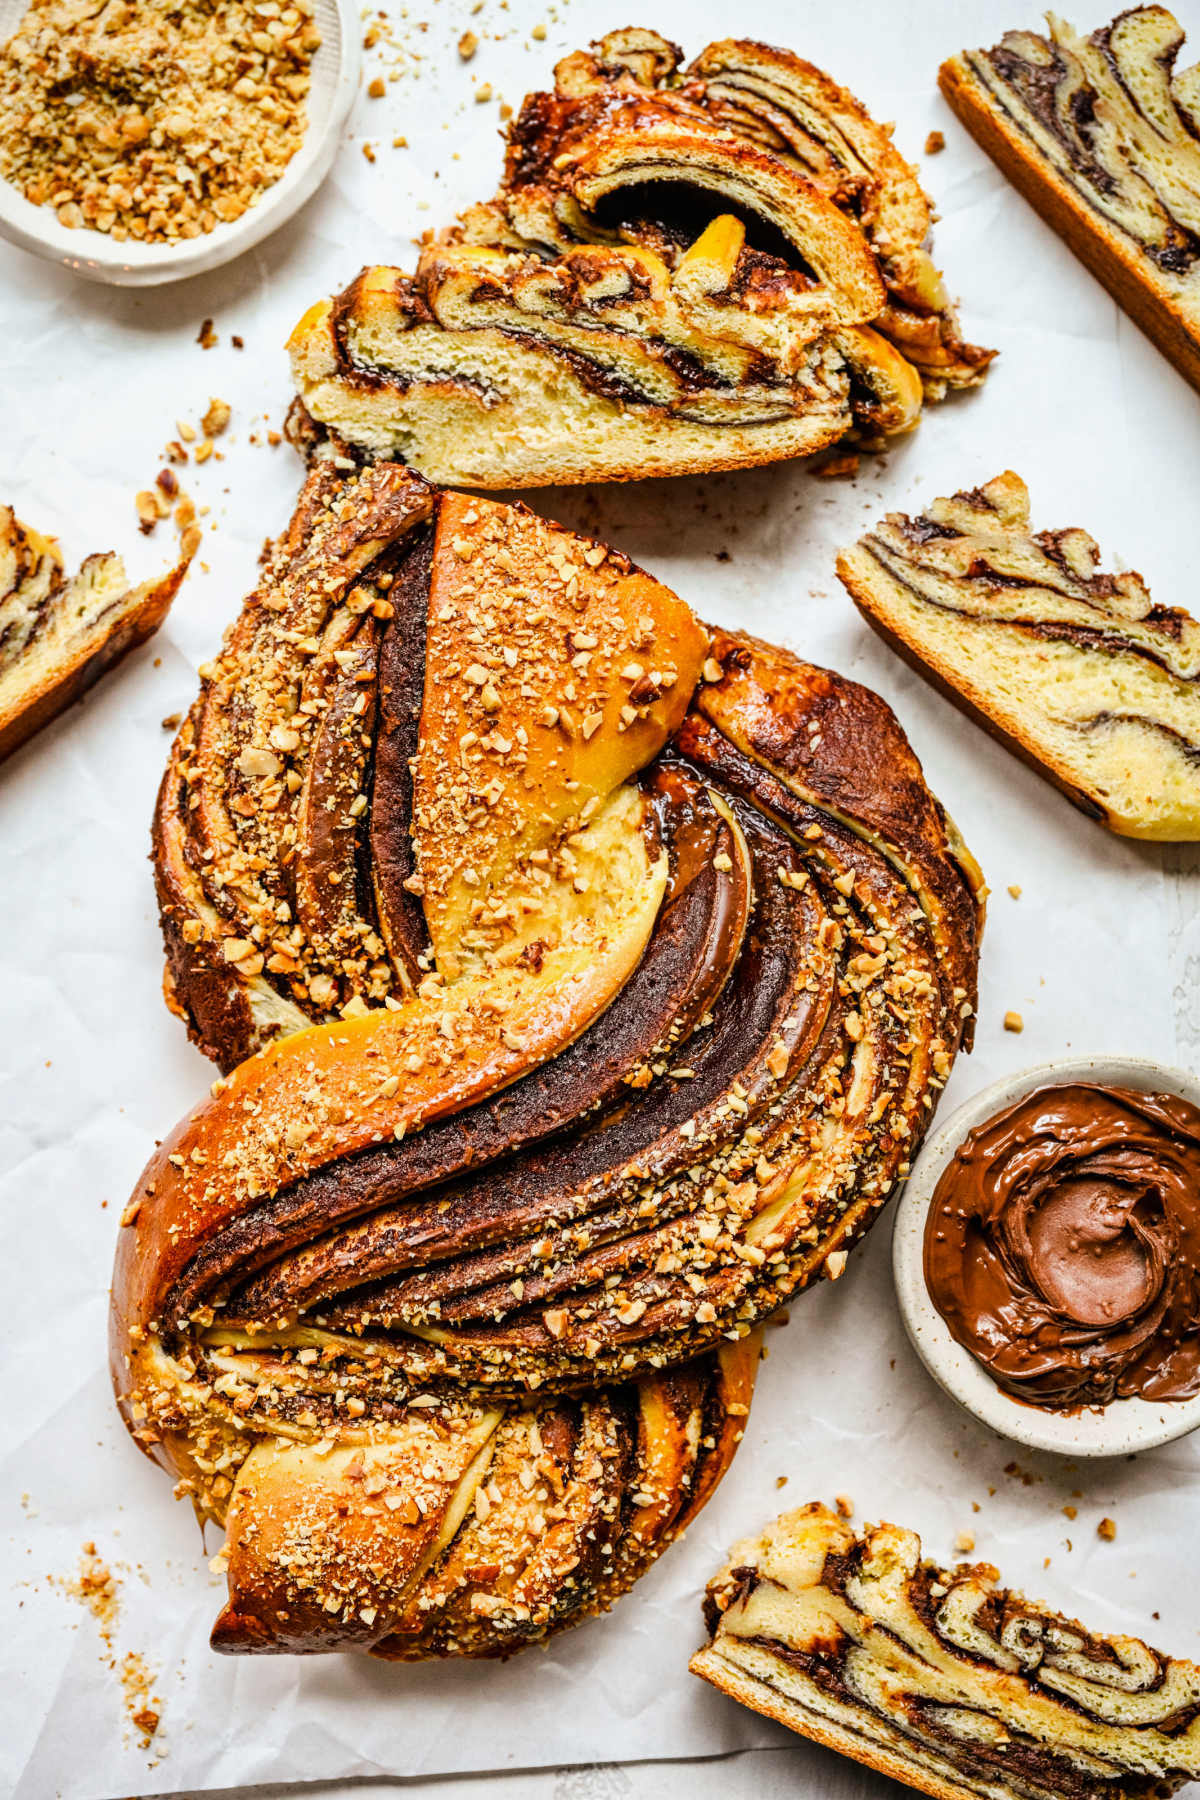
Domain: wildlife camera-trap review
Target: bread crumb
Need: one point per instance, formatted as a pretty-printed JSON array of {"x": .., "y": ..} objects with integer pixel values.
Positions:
[
  {"x": 377, "y": 88},
  {"x": 484, "y": 91},
  {"x": 838, "y": 468},
  {"x": 965, "y": 1541},
  {"x": 468, "y": 44},
  {"x": 216, "y": 418},
  {"x": 845, "y": 1506},
  {"x": 1014, "y": 888},
  {"x": 934, "y": 142},
  {"x": 1107, "y": 1529},
  {"x": 1013, "y": 1022}
]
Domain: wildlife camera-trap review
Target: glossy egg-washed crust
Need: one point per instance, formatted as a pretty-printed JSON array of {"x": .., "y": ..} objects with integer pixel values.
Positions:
[
  {"x": 940, "y": 1678},
  {"x": 652, "y": 951},
  {"x": 684, "y": 269},
  {"x": 59, "y": 634},
  {"x": 1102, "y": 136}
]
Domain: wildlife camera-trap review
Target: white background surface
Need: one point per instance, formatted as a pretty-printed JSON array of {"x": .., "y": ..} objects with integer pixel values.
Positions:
[{"x": 1101, "y": 952}]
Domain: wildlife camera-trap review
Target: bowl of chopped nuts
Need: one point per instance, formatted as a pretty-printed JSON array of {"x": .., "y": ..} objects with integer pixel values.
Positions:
[{"x": 141, "y": 144}]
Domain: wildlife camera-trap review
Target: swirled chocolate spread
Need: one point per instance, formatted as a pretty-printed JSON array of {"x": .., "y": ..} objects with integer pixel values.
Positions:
[{"x": 1062, "y": 1246}]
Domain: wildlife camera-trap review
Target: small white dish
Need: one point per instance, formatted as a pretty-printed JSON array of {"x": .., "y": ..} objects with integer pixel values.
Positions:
[
  {"x": 336, "y": 68},
  {"x": 1118, "y": 1429}
]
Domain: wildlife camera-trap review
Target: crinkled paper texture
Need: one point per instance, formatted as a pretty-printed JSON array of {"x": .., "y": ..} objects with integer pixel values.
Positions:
[{"x": 1106, "y": 434}]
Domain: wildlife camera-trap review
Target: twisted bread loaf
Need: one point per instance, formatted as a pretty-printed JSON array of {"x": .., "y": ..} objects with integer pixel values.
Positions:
[
  {"x": 940, "y": 1678},
  {"x": 58, "y": 635},
  {"x": 1102, "y": 136},
  {"x": 683, "y": 270},
  {"x": 635, "y": 962},
  {"x": 1078, "y": 671}
]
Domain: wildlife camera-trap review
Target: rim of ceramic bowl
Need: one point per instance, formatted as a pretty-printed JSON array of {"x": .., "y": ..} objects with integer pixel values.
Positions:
[
  {"x": 1118, "y": 1429},
  {"x": 336, "y": 69}
]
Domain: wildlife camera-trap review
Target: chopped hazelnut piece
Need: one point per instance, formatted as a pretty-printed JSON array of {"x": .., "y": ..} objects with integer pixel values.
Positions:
[{"x": 216, "y": 418}]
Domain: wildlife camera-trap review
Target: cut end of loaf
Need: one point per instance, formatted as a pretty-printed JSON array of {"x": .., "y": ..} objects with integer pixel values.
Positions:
[{"x": 1075, "y": 670}]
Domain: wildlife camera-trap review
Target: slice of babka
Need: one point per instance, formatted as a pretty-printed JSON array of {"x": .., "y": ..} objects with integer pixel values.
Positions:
[
  {"x": 58, "y": 635},
  {"x": 684, "y": 269},
  {"x": 1102, "y": 136},
  {"x": 1077, "y": 671},
  {"x": 941, "y": 1678}
]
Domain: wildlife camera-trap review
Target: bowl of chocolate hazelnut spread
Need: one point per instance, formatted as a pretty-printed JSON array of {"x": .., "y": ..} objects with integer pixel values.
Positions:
[{"x": 1047, "y": 1255}]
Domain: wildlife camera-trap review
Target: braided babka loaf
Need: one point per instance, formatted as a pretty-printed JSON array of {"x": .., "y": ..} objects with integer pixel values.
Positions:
[
  {"x": 587, "y": 981},
  {"x": 683, "y": 270},
  {"x": 940, "y": 1678},
  {"x": 1102, "y": 136},
  {"x": 59, "y": 634},
  {"x": 1077, "y": 671}
]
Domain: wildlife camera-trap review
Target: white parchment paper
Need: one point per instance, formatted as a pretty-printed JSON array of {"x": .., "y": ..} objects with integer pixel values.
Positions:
[{"x": 1106, "y": 434}]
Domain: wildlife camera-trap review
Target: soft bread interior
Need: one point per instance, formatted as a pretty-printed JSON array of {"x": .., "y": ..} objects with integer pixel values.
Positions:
[
  {"x": 936, "y": 1676},
  {"x": 1080, "y": 672},
  {"x": 675, "y": 275},
  {"x": 58, "y": 635},
  {"x": 1115, "y": 123}
]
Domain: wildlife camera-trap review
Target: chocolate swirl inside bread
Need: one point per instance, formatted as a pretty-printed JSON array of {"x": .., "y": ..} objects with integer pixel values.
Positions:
[
  {"x": 940, "y": 1678},
  {"x": 684, "y": 269},
  {"x": 1078, "y": 671},
  {"x": 59, "y": 634},
  {"x": 1103, "y": 136},
  {"x": 660, "y": 951}
]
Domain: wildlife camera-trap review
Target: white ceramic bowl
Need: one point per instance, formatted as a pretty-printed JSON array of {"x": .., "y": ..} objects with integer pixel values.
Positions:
[
  {"x": 335, "y": 74},
  {"x": 1118, "y": 1429}
]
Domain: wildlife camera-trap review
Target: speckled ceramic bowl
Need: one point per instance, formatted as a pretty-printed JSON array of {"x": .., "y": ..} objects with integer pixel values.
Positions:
[
  {"x": 1118, "y": 1429},
  {"x": 335, "y": 75}
]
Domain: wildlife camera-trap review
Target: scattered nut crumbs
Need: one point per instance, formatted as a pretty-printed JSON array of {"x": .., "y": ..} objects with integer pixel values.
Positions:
[
  {"x": 137, "y": 1679},
  {"x": 838, "y": 468},
  {"x": 1013, "y": 1022},
  {"x": 934, "y": 142},
  {"x": 216, "y": 418},
  {"x": 468, "y": 44},
  {"x": 1107, "y": 1529},
  {"x": 1014, "y": 888},
  {"x": 95, "y": 1587},
  {"x": 150, "y": 120},
  {"x": 377, "y": 88}
]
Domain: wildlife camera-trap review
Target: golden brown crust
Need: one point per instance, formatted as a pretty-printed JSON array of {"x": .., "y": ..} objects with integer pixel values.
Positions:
[
  {"x": 939, "y": 1678},
  {"x": 1124, "y": 269},
  {"x": 675, "y": 1033},
  {"x": 58, "y": 636}
]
